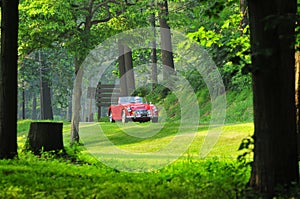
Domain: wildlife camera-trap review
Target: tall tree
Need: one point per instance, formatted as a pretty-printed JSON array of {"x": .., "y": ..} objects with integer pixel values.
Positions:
[
  {"x": 272, "y": 31},
  {"x": 8, "y": 78},
  {"x": 95, "y": 13}
]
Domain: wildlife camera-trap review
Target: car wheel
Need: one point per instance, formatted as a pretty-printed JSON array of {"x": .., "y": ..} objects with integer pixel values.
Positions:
[
  {"x": 124, "y": 119},
  {"x": 111, "y": 120},
  {"x": 155, "y": 119}
]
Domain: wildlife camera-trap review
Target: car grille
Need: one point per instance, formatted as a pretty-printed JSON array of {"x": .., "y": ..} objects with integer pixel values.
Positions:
[{"x": 143, "y": 113}]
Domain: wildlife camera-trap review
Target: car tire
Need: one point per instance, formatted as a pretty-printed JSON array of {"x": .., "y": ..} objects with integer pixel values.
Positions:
[
  {"x": 124, "y": 118},
  {"x": 111, "y": 120},
  {"x": 154, "y": 119}
]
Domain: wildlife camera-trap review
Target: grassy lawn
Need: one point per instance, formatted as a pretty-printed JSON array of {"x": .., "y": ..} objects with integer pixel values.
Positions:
[
  {"x": 147, "y": 137},
  {"x": 104, "y": 172}
]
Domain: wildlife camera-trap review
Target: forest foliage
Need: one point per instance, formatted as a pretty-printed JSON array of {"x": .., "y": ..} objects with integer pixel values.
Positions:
[
  {"x": 56, "y": 29},
  {"x": 55, "y": 37}
]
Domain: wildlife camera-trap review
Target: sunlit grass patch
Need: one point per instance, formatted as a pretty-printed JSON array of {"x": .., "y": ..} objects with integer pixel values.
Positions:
[{"x": 128, "y": 144}]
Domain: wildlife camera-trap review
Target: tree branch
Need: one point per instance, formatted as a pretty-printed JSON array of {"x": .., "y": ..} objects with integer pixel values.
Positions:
[
  {"x": 102, "y": 4},
  {"x": 82, "y": 23},
  {"x": 101, "y": 20}
]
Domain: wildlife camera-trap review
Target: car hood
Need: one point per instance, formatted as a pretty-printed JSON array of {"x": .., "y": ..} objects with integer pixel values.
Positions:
[{"x": 138, "y": 106}]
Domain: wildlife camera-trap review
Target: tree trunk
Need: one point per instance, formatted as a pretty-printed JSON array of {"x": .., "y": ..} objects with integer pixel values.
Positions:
[
  {"x": 129, "y": 72},
  {"x": 153, "y": 53},
  {"x": 166, "y": 43},
  {"x": 69, "y": 110},
  {"x": 297, "y": 97},
  {"x": 77, "y": 89},
  {"x": 23, "y": 104},
  {"x": 122, "y": 70},
  {"x": 244, "y": 10},
  {"x": 8, "y": 78},
  {"x": 272, "y": 27},
  {"x": 45, "y": 136},
  {"x": 46, "y": 105},
  {"x": 45, "y": 94},
  {"x": 76, "y": 106},
  {"x": 34, "y": 112}
]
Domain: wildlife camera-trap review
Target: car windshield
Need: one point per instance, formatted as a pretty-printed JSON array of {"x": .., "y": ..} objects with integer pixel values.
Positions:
[{"x": 130, "y": 99}]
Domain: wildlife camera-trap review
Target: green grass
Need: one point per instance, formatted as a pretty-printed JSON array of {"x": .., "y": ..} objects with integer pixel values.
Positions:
[
  {"x": 218, "y": 175},
  {"x": 150, "y": 137},
  {"x": 155, "y": 139},
  {"x": 30, "y": 177}
]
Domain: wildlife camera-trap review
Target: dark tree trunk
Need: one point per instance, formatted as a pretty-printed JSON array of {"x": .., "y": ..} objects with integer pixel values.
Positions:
[
  {"x": 8, "y": 78},
  {"x": 297, "y": 84},
  {"x": 272, "y": 27},
  {"x": 46, "y": 106},
  {"x": 45, "y": 136},
  {"x": 130, "y": 81},
  {"x": 45, "y": 94},
  {"x": 166, "y": 43},
  {"x": 23, "y": 104},
  {"x": 153, "y": 53},
  {"x": 34, "y": 112},
  {"x": 122, "y": 70}
]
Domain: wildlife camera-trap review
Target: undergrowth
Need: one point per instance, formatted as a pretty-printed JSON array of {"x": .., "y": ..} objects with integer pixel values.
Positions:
[
  {"x": 46, "y": 177},
  {"x": 239, "y": 105}
]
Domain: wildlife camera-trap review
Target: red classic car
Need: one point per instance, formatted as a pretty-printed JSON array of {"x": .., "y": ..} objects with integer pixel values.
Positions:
[{"x": 133, "y": 109}]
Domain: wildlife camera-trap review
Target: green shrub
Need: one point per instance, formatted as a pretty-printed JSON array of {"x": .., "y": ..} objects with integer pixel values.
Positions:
[{"x": 32, "y": 177}]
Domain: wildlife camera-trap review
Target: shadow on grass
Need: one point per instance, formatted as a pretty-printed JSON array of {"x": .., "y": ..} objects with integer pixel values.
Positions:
[{"x": 124, "y": 134}]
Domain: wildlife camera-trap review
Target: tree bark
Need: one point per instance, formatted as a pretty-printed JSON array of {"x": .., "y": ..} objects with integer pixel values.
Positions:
[
  {"x": 153, "y": 53},
  {"x": 45, "y": 94},
  {"x": 166, "y": 43},
  {"x": 34, "y": 112},
  {"x": 45, "y": 136},
  {"x": 272, "y": 27},
  {"x": 8, "y": 78},
  {"x": 23, "y": 104},
  {"x": 122, "y": 70},
  {"x": 129, "y": 72},
  {"x": 297, "y": 97},
  {"x": 77, "y": 90},
  {"x": 244, "y": 10},
  {"x": 47, "y": 105},
  {"x": 69, "y": 110}
]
